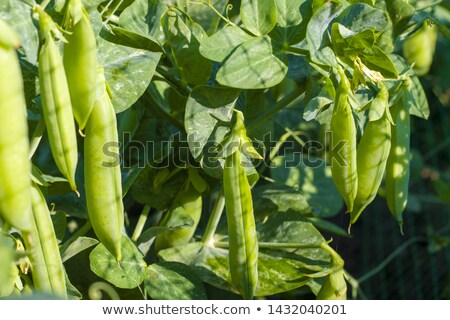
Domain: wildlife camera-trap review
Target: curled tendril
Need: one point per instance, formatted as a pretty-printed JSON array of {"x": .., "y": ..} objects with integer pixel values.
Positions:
[
  {"x": 229, "y": 8},
  {"x": 96, "y": 290}
]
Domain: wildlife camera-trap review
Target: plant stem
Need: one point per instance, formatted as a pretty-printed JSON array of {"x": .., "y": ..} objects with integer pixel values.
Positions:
[
  {"x": 182, "y": 88},
  {"x": 389, "y": 258},
  {"x": 276, "y": 245},
  {"x": 280, "y": 105},
  {"x": 37, "y": 136},
  {"x": 95, "y": 291},
  {"x": 213, "y": 222},
  {"x": 140, "y": 224},
  {"x": 44, "y": 4}
]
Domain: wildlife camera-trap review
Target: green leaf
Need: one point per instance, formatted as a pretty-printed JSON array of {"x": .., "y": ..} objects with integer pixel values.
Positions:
[
  {"x": 271, "y": 198},
  {"x": 173, "y": 281},
  {"x": 158, "y": 196},
  {"x": 319, "y": 94},
  {"x": 360, "y": 17},
  {"x": 207, "y": 117},
  {"x": 253, "y": 65},
  {"x": 223, "y": 42},
  {"x": 19, "y": 16},
  {"x": 184, "y": 43},
  {"x": 317, "y": 34},
  {"x": 278, "y": 271},
  {"x": 292, "y": 19},
  {"x": 78, "y": 245},
  {"x": 259, "y": 16},
  {"x": 128, "y": 71},
  {"x": 202, "y": 14},
  {"x": 143, "y": 17},
  {"x": 131, "y": 39},
  {"x": 313, "y": 178},
  {"x": 401, "y": 13},
  {"x": 128, "y": 274},
  {"x": 418, "y": 103},
  {"x": 377, "y": 60}
]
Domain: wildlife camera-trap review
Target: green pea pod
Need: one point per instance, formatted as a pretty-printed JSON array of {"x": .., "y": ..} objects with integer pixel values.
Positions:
[
  {"x": 15, "y": 167},
  {"x": 190, "y": 201},
  {"x": 56, "y": 104},
  {"x": 334, "y": 286},
  {"x": 372, "y": 154},
  {"x": 343, "y": 148},
  {"x": 102, "y": 172},
  {"x": 80, "y": 61},
  {"x": 419, "y": 48},
  {"x": 47, "y": 267},
  {"x": 242, "y": 237},
  {"x": 397, "y": 167},
  {"x": 8, "y": 37}
]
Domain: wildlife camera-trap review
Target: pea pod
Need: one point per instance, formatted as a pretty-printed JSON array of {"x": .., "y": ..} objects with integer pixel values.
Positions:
[
  {"x": 56, "y": 104},
  {"x": 80, "y": 61},
  {"x": 397, "y": 167},
  {"x": 242, "y": 237},
  {"x": 343, "y": 130},
  {"x": 334, "y": 286},
  {"x": 419, "y": 48},
  {"x": 8, "y": 37},
  {"x": 15, "y": 168},
  {"x": 190, "y": 201},
  {"x": 47, "y": 268},
  {"x": 102, "y": 173},
  {"x": 372, "y": 154}
]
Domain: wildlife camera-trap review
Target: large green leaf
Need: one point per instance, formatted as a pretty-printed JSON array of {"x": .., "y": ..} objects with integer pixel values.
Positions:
[
  {"x": 208, "y": 112},
  {"x": 292, "y": 19},
  {"x": 202, "y": 14},
  {"x": 259, "y": 16},
  {"x": 223, "y": 42},
  {"x": 78, "y": 245},
  {"x": 269, "y": 198},
  {"x": 184, "y": 40},
  {"x": 173, "y": 281},
  {"x": 253, "y": 65},
  {"x": 143, "y": 17},
  {"x": 317, "y": 34},
  {"x": 360, "y": 17},
  {"x": 278, "y": 271},
  {"x": 313, "y": 178},
  {"x": 128, "y": 274},
  {"x": 127, "y": 70}
]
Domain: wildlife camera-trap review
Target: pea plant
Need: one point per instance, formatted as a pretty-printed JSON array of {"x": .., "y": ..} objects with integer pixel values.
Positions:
[{"x": 195, "y": 149}]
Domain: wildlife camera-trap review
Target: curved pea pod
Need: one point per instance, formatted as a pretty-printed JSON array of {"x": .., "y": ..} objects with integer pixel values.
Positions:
[
  {"x": 8, "y": 37},
  {"x": 419, "y": 48},
  {"x": 15, "y": 167},
  {"x": 102, "y": 173},
  {"x": 334, "y": 286},
  {"x": 47, "y": 267},
  {"x": 189, "y": 200},
  {"x": 372, "y": 154},
  {"x": 80, "y": 61},
  {"x": 343, "y": 147},
  {"x": 397, "y": 167},
  {"x": 56, "y": 104},
  {"x": 242, "y": 237}
]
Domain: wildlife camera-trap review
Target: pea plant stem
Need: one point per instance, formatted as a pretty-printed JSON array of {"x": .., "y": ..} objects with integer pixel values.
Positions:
[
  {"x": 140, "y": 224},
  {"x": 37, "y": 136},
  {"x": 276, "y": 245},
  {"x": 213, "y": 222},
  {"x": 280, "y": 105}
]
